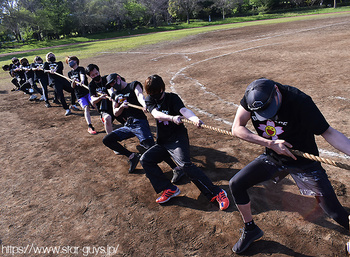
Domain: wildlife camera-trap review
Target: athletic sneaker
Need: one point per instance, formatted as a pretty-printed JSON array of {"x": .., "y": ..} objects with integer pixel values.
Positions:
[
  {"x": 167, "y": 195},
  {"x": 47, "y": 104},
  {"x": 68, "y": 112},
  {"x": 222, "y": 199},
  {"x": 177, "y": 175},
  {"x": 133, "y": 162},
  {"x": 32, "y": 97},
  {"x": 42, "y": 98},
  {"x": 246, "y": 239},
  {"x": 92, "y": 131},
  {"x": 74, "y": 107}
]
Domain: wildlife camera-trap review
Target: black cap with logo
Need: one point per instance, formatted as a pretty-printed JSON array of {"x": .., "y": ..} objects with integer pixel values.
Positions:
[{"x": 260, "y": 97}]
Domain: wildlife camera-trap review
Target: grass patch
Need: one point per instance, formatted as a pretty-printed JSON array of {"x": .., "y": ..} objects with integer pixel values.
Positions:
[
  {"x": 92, "y": 48},
  {"x": 33, "y": 44}
]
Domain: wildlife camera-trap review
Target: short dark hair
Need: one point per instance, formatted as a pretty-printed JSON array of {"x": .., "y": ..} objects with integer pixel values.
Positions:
[
  {"x": 37, "y": 58},
  {"x": 14, "y": 59},
  {"x": 6, "y": 67},
  {"x": 23, "y": 61},
  {"x": 154, "y": 85},
  {"x": 90, "y": 68},
  {"x": 73, "y": 58}
]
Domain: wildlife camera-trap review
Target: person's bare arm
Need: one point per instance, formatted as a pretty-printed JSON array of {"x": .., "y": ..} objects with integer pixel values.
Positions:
[
  {"x": 188, "y": 114},
  {"x": 240, "y": 130},
  {"x": 337, "y": 139}
]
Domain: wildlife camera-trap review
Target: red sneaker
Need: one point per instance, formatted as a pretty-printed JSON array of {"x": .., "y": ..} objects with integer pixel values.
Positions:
[
  {"x": 92, "y": 131},
  {"x": 222, "y": 199},
  {"x": 167, "y": 195}
]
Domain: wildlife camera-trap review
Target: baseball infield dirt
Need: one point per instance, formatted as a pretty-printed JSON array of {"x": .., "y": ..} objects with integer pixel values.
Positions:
[{"x": 62, "y": 187}]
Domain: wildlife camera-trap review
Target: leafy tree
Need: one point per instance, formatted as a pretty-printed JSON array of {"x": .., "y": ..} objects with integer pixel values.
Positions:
[
  {"x": 156, "y": 10},
  {"x": 135, "y": 13},
  {"x": 10, "y": 17},
  {"x": 225, "y": 6},
  {"x": 178, "y": 8}
]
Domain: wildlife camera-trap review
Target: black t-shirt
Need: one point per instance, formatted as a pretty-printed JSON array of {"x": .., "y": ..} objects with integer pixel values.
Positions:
[
  {"x": 39, "y": 74},
  {"x": 171, "y": 105},
  {"x": 297, "y": 122},
  {"x": 129, "y": 95},
  {"x": 80, "y": 91},
  {"x": 29, "y": 74},
  {"x": 59, "y": 69},
  {"x": 96, "y": 88},
  {"x": 11, "y": 70},
  {"x": 19, "y": 75}
]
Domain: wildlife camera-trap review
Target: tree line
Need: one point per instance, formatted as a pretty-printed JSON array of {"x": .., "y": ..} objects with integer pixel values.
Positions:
[{"x": 52, "y": 19}]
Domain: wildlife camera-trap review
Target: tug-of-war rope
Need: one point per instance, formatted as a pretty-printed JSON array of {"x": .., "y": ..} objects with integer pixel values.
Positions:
[{"x": 295, "y": 152}]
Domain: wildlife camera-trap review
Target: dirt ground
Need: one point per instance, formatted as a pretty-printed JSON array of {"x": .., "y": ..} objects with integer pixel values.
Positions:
[{"x": 61, "y": 187}]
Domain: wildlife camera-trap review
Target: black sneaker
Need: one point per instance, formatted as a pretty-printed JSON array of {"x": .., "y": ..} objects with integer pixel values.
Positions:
[
  {"x": 47, "y": 104},
  {"x": 246, "y": 239},
  {"x": 177, "y": 175},
  {"x": 133, "y": 162},
  {"x": 55, "y": 101}
]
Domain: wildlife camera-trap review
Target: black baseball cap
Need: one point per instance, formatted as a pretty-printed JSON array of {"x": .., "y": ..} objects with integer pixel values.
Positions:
[
  {"x": 111, "y": 77},
  {"x": 260, "y": 97}
]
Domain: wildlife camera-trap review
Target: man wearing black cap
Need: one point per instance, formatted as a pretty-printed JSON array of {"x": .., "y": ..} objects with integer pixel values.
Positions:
[
  {"x": 284, "y": 117},
  {"x": 136, "y": 124}
]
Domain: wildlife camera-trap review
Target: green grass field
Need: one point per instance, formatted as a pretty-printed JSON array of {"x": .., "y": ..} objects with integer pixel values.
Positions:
[{"x": 83, "y": 49}]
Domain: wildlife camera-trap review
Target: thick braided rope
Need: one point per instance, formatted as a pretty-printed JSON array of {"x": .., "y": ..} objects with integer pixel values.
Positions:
[
  {"x": 320, "y": 159},
  {"x": 295, "y": 152},
  {"x": 210, "y": 128},
  {"x": 81, "y": 84}
]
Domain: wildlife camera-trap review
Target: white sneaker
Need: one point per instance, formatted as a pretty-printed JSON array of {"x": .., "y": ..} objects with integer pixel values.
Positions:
[
  {"x": 74, "y": 107},
  {"x": 32, "y": 97},
  {"x": 68, "y": 112},
  {"x": 42, "y": 98}
]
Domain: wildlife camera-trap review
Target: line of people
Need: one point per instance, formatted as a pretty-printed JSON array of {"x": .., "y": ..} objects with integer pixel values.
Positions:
[
  {"x": 283, "y": 117},
  {"x": 111, "y": 96}
]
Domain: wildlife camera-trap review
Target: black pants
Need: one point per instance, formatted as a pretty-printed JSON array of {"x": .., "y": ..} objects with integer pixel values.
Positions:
[
  {"x": 14, "y": 81},
  {"x": 61, "y": 85},
  {"x": 43, "y": 81},
  {"x": 34, "y": 86},
  {"x": 312, "y": 178},
  {"x": 25, "y": 86},
  {"x": 112, "y": 141},
  {"x": 179, "y": 150}
]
